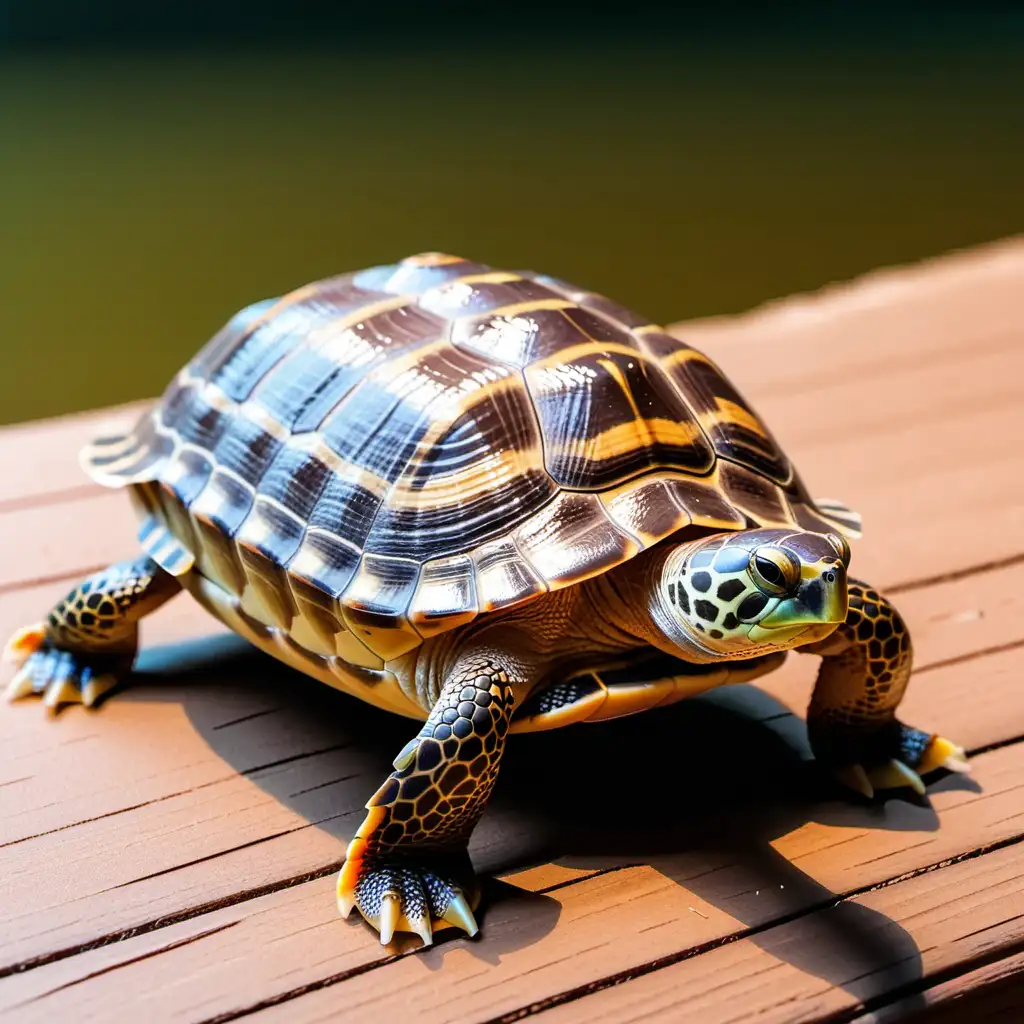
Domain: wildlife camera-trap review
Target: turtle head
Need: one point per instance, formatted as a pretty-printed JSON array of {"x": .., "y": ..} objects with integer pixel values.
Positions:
[{"x": 740, "y": 595}]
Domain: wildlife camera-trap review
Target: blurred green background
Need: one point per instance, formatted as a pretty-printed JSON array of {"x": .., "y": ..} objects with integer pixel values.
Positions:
[{"x": 158, "y": 173}]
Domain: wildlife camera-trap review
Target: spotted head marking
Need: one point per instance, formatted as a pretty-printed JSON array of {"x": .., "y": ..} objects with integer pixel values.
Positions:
[{"x": 742, "y": 594}]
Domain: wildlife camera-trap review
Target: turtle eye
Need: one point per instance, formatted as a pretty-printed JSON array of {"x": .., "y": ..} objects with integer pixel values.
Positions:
[
  {"x": 839, "y": 542},
  {"x": 774, "y": 571}
]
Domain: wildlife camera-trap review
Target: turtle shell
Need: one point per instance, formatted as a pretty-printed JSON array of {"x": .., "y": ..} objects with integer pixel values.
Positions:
[{"x": 388, "y": 454}]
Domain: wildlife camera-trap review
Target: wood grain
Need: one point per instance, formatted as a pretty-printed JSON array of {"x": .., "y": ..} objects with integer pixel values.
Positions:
[{"x": 171, "y": 855}]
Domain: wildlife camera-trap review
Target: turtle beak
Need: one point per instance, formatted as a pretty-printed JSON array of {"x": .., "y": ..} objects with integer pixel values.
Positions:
[{"x": 812, "y": 613}]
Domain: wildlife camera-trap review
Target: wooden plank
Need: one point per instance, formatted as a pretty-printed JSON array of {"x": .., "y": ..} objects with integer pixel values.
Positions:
[
  {"x": 229, "y": 960},
  {"x": 891, "y": 315},
  {"x": 166, "y": 753},
  {"x": 990, "y": 994},
  {"x": 198, "y": 837},
  {"x": 839, "y": 958},
  {"x": 39, "y": 461}
]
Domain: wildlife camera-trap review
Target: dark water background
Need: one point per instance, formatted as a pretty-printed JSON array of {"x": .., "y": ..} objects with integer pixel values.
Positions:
[{"x": 155, "y": 176}]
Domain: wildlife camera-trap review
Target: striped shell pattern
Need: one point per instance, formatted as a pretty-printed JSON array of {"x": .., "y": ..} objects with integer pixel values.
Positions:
[{"x": 388, "y": 454}]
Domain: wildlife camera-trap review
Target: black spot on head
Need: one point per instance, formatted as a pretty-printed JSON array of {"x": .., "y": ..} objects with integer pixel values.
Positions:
[
  {"x": 715, "y": 634},
  {"x": 865, "y": 630},
  {"x": 730, "y": 589},
  {"x": 813, "y": 596},
  {"x": 730, "y": 621},
  {"x": 701, "y": 581},
  {"x": 871, "y": 609},
  {"x": 874, "y": 648},
  {"x": 672, "y": 592},
  {"x": 892, "y": 647},
  {"x": 94, "y": 600},
  {"x": 699, "y": 626},
  {"x": 883, "y": 630},
  {"x": 707, "y": 610},
  {"x": 684, "y": 601},
  {"x": 732, "y": 559},
  {"x": 752, "y": 606}
]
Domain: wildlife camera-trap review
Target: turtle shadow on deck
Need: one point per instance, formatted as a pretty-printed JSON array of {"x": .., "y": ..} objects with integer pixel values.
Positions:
[
  {"x": 698, "y": 790},
  {"x": 312, "y": 749}
]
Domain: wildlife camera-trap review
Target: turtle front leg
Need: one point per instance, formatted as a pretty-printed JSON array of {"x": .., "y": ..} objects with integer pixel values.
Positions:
[
  {"x": 89, "y": 640},
  {"x": 407, "y": 868},
  {"x": 852, "y": 720}
]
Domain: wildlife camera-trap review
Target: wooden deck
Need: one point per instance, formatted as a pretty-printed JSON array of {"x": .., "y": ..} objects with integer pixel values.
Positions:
[{"x": 171, "y": 856}]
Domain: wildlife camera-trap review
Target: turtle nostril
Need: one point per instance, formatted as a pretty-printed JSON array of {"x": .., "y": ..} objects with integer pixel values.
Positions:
[{"x": 829, "y": 577}]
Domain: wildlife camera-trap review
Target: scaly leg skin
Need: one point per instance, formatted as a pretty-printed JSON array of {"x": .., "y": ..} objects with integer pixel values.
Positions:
[
  {"x": 407, "y": 868},
  {"x": 89, "y": 640},
  {"x": 852, "y": 718}
]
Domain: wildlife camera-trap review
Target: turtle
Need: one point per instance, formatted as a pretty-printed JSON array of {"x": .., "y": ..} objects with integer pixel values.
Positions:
[{"x": 470, "y": 497}]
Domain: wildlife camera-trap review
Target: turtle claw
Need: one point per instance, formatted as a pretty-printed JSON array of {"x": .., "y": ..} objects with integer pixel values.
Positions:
[
  {"x": 891, "y": 774},
  {"x": 96, "y": 687},
  {"x": 20, "y": 686},
  {"x": 399, "y": 896},
  {"x": 895, "y": 774},
  {"x": 61, "y": 691},
  {"x": 390, "y": 913},
  {"x": 60, "y": 676},
  {"x": 459, "y": 915},
  {"x": 854, "y": 777}
]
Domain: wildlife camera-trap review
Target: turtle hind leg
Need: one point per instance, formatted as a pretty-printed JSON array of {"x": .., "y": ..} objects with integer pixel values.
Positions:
[
  {"x": 852, "y": 720},
  {"x": 87, "y": 644}
]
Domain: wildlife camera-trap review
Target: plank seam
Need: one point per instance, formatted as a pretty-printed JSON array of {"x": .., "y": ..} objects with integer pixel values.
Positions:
[
  {"x": 669, "y": 960},
  {"x": 956, "y": 574},
  {"x": 255, "y": 892},
  {"x": 41, "y": 499},
  {"x": 959, "y": 659},
  {"x": 168, "y": 920},
  {"x": 57, "y": 577},
  {"x": 622, "y": 976},
  {"x": 244, "y": 773},
  {"x": 921, "y": 985},
  {"x": 127, "y": 963}
]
